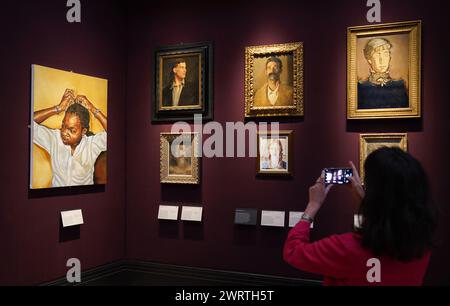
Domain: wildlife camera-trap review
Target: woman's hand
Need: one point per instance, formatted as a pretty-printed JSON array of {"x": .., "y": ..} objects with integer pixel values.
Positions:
[
  {"x": 83, "y": 100},
  {"x": 357, "y": 188},
  {"x": 317, "y": 195},
  {"x": 67, "y": 100}
]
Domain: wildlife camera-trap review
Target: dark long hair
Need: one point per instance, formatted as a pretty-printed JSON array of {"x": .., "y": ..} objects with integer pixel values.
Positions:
[
  {"x": 398, "y": 219},
  {"x": 83, "y": 114}
]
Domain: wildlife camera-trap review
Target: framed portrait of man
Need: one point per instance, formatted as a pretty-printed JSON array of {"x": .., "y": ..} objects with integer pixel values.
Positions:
[
  {"x": 274, "y": 80},
  {"x": 183, "y": 82},
  {"x": 275, "y": 154},
  {"x": 180, "y": 163},
  {"x": 69, "y": 135},
  {"x": 384, "y": 71},
  {"x": 372, "y": 142}
]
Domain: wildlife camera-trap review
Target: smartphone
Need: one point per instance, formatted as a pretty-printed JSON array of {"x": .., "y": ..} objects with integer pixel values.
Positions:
[{"x": 337, "y": 176}]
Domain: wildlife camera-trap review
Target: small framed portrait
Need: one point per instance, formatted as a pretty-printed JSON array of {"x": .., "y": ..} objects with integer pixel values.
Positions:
[
  {"x": 180, "y": 163},
  {"x": 275, "y": 154},
  {"x": 274, "y": 80},
  {"x": 183, "y": 79},
  {"x": 372, "y": 142},
  {"x": 384, "y": 71}
]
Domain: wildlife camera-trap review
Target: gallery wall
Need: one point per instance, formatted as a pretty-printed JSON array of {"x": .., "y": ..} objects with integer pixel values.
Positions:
[
  {"x": 34, "y": 248},
  {"x": 322, "y": 138}
]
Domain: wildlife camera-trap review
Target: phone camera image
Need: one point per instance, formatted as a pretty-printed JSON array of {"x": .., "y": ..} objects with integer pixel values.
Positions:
[{"x": 337, "y": 176}]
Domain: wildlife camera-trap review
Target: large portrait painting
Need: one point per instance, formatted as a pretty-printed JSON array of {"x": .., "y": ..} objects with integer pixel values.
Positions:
[
  {"x": 372, "y": 142},
  {"x": 384, "y": 68},
  {"x": 180, "y": 163},
  {"x": 183, "y": 83},
  {"x": 68, "y": 129},
  {"x": 275, "y": 154},
  {"x": 274, "y": 80}
]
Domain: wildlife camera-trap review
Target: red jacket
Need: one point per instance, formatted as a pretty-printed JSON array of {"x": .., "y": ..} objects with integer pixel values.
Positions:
[{"x": 343, "y": 261}]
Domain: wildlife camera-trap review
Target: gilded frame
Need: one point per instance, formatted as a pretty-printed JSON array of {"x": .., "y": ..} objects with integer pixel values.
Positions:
[
  {"x": 414, "y": 31},
  {"x": 401, "y": 139},
  {"x": 290, "y": 156},
  {"x": 294, "y": 49},
  {"x": 166, "y": 177}
]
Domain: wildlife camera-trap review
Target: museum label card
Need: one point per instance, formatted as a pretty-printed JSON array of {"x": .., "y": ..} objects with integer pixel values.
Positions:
[
  {"x": 245, "y": 216},
  {"x": 72, "y": 218},
  {"x": 167, "y": 212},
  {"x": 190, "y": 213},
  {"x": 272, "y": 218}
]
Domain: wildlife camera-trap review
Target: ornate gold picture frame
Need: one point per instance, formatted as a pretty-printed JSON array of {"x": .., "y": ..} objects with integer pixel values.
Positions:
[
  {"x": 274, "y": 80},
  {"x": 371, "y": 142},
  {"x": 179, "y": 161},
  {"x": 275, "y": 154},
  {"x": 384, "y": 71}
]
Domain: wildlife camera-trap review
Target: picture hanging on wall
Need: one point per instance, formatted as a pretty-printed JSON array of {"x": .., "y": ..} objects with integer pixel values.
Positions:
[
  {"x": 372, "y": 142},
  {"x": 384, "y": 71},
  {"x": 69, "y": 129},
  {"x": 275, "y": 154},
  {"x": 274, "y": 80},
  {"x": 183, "y": 82},
  {"x": 180, "y": 161}
]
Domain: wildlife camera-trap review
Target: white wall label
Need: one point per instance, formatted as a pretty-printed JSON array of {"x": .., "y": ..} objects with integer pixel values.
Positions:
[
  {"x": 72, "y": 218},
  {"x": 272, "y": 218},
  {"x": 190, "y": 213},
  {"x": 167, "y": 212}
]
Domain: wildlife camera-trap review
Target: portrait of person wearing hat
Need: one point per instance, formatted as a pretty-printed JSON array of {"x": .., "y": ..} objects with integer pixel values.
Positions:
[{"x": 380, "y": 90}]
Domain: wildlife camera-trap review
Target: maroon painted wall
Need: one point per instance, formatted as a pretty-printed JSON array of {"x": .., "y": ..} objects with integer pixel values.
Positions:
[
  {"x": 323, "y": 138},
  {"x": 33, "y": 247}
]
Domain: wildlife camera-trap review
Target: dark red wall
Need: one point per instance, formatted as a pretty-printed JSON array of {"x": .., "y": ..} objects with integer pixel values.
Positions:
[
  {"x": 323, "y": 138},
  {"x": 33, "y": 247}
]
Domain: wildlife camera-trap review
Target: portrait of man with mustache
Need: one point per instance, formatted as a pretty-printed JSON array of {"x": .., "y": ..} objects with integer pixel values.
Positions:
[{"x": 274, "y": 92}]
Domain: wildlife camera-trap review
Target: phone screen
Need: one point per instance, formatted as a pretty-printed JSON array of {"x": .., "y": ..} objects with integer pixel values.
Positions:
[{"x": 338, "y": 176}]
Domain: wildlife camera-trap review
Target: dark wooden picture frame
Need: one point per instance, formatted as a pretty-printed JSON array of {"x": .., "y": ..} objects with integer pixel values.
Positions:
[{"x": 193, "y": 65}]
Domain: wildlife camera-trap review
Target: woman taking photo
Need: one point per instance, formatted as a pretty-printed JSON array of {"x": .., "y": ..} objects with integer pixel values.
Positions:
[{"x": 397, "y": 226}]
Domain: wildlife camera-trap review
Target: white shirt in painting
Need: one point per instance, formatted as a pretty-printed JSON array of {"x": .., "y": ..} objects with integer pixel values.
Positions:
[
  {"x": 176, "y": 93},
  {"x": 273, "y": 94},
  {"x": 68, "y": 170}
]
